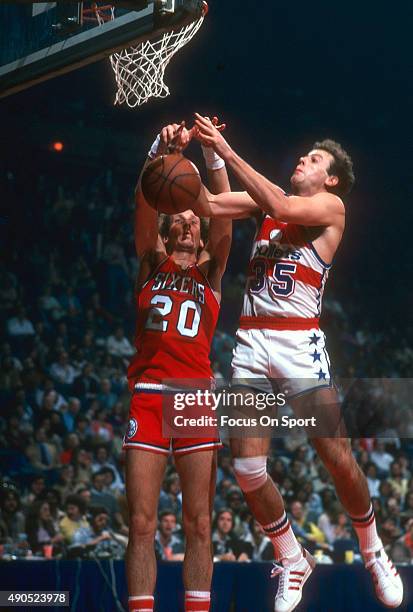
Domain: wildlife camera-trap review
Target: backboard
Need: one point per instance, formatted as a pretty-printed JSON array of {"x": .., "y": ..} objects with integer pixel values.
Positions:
[{"x": 41, "y": 40}]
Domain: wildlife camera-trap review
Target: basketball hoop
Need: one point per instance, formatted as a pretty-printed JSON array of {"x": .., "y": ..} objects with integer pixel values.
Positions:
[{"x": 139, "y": 70}]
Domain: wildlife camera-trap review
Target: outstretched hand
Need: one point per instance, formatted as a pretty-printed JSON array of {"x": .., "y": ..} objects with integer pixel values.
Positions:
[
  {"x": 208, "y": 132},
  {"x": 174, "y": 138}
]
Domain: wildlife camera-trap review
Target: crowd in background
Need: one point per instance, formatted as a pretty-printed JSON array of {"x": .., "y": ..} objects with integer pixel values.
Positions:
[{"x": 66, "y": 299}]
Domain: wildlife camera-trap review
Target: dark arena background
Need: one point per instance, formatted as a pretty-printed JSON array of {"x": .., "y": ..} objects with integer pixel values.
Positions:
[{"x": 281, "y": 75}]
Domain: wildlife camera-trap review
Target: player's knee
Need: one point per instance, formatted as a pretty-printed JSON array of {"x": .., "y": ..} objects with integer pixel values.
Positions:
[
  {"x": 142, "y": 525},
  {"x": 197, "y": 527},
  {"x": 250, "y": 472}
]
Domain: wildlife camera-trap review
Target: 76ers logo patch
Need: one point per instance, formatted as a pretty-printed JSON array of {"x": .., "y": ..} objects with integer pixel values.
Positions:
[{"x": 132, "y": 428}]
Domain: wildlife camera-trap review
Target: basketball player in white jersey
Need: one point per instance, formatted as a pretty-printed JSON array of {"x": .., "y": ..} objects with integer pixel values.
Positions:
[{"x": 279, "y": 338}]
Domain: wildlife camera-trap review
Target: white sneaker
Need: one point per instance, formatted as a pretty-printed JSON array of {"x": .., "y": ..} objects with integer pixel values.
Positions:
[
  {"x": 387, "y": 582},
  {"x": 291, "y": 581}
]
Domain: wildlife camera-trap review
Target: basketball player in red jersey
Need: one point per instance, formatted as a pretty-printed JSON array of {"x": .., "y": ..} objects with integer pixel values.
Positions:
[
  {"x": 178, "y": 295},
  {"x": 279, "y": 338}
]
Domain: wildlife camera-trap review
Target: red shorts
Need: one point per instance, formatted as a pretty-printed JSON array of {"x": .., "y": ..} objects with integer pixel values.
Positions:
[{"x": 145, "y": 429}]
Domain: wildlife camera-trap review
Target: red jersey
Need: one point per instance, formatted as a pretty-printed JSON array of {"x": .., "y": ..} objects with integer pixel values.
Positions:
[{"x": 176, "y": 320}]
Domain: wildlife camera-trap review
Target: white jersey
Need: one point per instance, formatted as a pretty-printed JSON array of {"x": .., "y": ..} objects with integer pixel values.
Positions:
[{"x": 286, "y": 279}]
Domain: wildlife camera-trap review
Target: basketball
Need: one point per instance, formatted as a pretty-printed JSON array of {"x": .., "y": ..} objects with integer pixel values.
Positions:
[{"x": 171, "y": 183}]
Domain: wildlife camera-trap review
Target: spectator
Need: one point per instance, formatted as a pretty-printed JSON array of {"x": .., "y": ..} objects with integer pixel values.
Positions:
[
  {"x": 381, "y": 458},
  {"x": 171, "y": 496},
  {"x": 397, "y": 481},
  {"x": 36, "y": 488},
  {"x": 226, "y": 545},
  {"x": 42, "y": 455},
  {"x": 100, "y": 427},
  {"x": 82, "y": 461},
  {"x": 119, "y": 346},
  {"x": 106, "y": 398},
  {"x": 98, "y": 537},
  {"x": 12, "y": 522},
  {"x": 307, "y": 533},
  {"x": 86, "y": 386},
  {"x": 70, "y": 413},
  {"x": 168, "y": 544},
  {"x": 74, "y": 517},
  {"x": 40, "y": 528},
  {"x": 20, "y": 325},
  {"x": 262, "y": 548},
  {"x": 373, "y": 482},
  {"x": 62, "y": 372},
  {"x": 100, "y": 497},
  {"x": 50, "y": 306}
]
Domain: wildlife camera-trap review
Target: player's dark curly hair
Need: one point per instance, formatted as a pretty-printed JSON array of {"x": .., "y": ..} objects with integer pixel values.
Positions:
[
  {"x": 165, "y": 221},
  {"x": 342, "y": 166}
]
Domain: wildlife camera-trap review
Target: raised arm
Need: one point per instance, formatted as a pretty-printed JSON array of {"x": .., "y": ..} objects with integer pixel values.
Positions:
[
  {"x": 215, "y": 254},
  {"x": 146, "y": 218},
  {"x": 321, "y": 209}
]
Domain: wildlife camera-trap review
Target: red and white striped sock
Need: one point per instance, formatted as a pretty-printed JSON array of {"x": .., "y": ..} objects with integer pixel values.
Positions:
[
  {"x": 286, "y": 547},
  {"x": 141, "y": 603},
  {"x": 366, "y": 529},
  {"x": 197, "y": 601}
]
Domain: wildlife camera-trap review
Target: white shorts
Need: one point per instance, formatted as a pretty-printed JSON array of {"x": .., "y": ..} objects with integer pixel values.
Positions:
[{"x": 292, "y": 361}]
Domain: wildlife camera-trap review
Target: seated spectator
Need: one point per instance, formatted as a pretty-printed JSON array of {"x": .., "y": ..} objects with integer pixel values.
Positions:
[
  {"x": 36, "y": 487},
  {"x": 71, "y": 443},
  {"x": 112, "y": 485},
  {"x": 100, "y": 427},
  {"x": 83, "y": 465},
  {"x": 100, "y": 497},
  {"x": 50, "y": 306},
  {"x": 226, "y": 545},
  {"x": 70, "y": 302},
  {"x": 66, "y": 483},
  {"x": 40, "y": 528},
  {"x": 86, "y": 386},
  {"x": 42, "y": 455},
  {"x": 12, "y": 521},
  {"x": 70, "y": 412},
  {"x": 307, "y": 533},
  {"x": 83, "y": 431},
  {"x": 20, "y": 325},
  {"x": 98, "y": 537},
  {"x": 169, "y": 545},
  {"x": 62, "y": 372},
  {"x": 397, "y": 481},
  {"x": 381, "y": 458},
  {"x": 373, "y": 482},
  {"x": 171, "y": 496},
  {"x": 52, "y": 496},
  {"x": 262, "y": 548},
  {"x": 106, "y": 398},
  {"x": 235, "y": 503},
  {"x": 119, "y": 346},
  {"x": 48, "y": 398},
  {"x": 74, "y": 517}
]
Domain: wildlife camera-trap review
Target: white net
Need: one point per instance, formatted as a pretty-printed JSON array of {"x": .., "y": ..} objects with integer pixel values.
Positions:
[{"x": 139, "y": 70}]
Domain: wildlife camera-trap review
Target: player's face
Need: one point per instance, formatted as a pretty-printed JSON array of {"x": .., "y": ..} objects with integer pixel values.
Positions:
[
  {"x": 185, "y": 232},
  {"x": 311, "y": 173}
]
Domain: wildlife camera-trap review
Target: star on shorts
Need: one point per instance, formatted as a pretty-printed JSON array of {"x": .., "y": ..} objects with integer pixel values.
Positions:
[
  {"x": 316, "y": 356},
  {"x": 314, "y": 339},
  {"x": 321, "y": 375}
]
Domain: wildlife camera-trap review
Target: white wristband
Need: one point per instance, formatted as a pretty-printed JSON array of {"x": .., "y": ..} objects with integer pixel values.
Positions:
[
  {"x": 212, "y": 160},
  {"x": 154, "y": 148}
]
